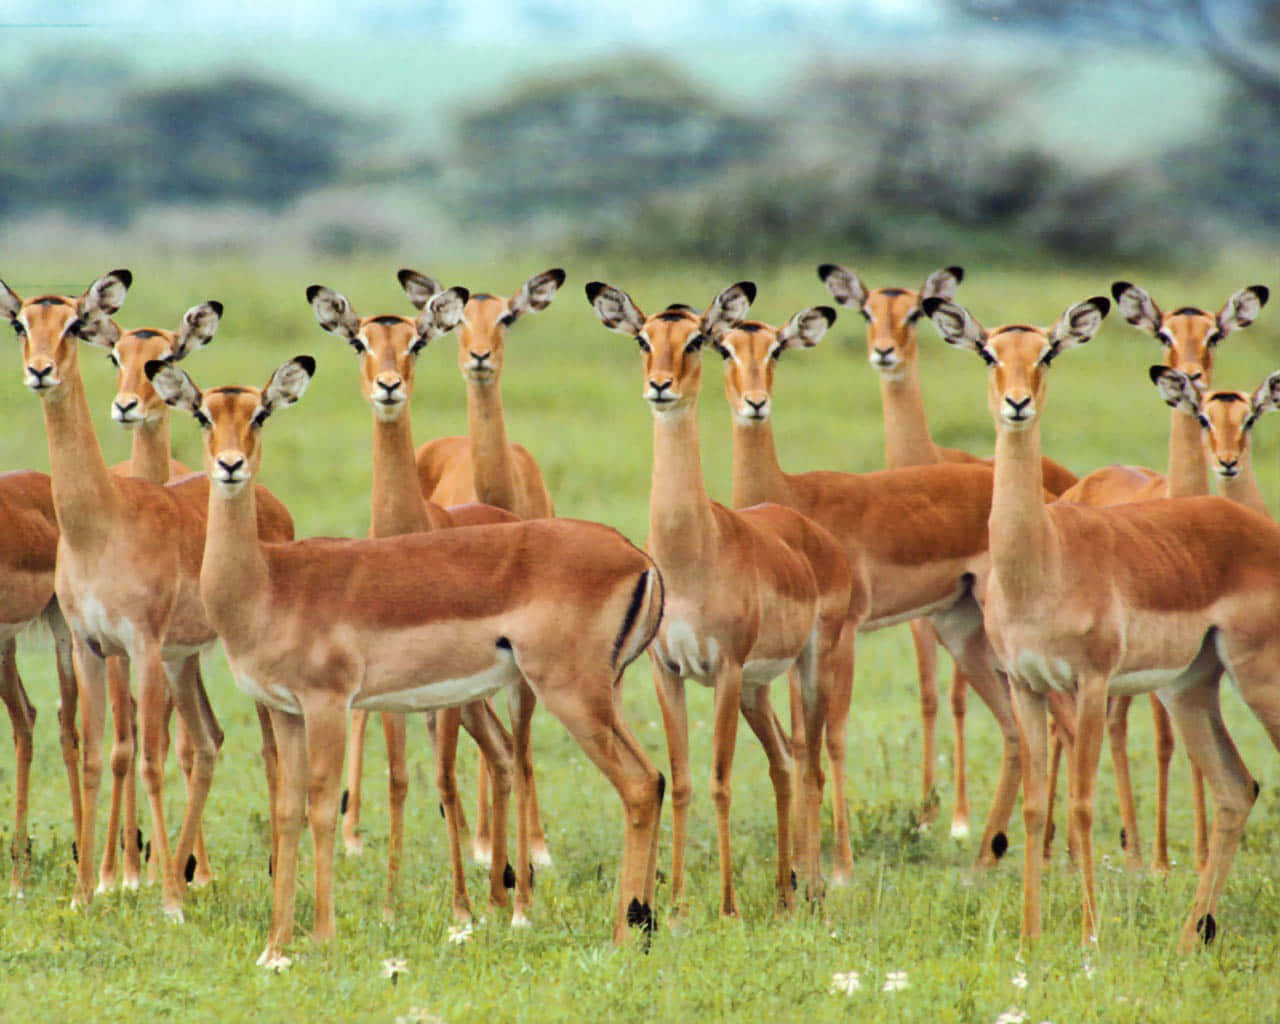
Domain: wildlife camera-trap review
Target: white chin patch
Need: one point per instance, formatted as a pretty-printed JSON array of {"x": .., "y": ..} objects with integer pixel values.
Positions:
[
  {"x": 388, "y": 412},
  {"x": 230, "y": 488}
]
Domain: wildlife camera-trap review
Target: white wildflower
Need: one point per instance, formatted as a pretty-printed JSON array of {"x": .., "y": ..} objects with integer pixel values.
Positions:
[
  {"x": 1019, "y": 980},
  {"x": 460, "y": 933},
  {"x": 1011, "y": 1016},
  {"x": 894, "y": 981},
  {"x": 848, "y": 983},
  {"x": 393, "y": 967},
  {"x": 417, "y": 1015}
]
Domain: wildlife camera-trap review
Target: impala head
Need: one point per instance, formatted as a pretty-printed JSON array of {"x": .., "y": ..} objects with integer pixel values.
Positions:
[
  {"x": 1226, "y": 417},
  {"x": 388, "y": 346},
  {"x": 891, "y": 313},
  {"x": 232, "y": 417},
  {"x": 671, "y": 341},
  {"x": 485, "y": 318},
  {"x": 1190, "y": 334},
  {"x": 751, "y": 351},
  {"x": 50, "y": 325},
  {"x": 1018, "y": 355},
  {"x": 136, "y": 401}
]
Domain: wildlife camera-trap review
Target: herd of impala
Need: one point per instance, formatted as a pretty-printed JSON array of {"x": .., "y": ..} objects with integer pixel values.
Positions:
[{"x": 1058, "y": 599}]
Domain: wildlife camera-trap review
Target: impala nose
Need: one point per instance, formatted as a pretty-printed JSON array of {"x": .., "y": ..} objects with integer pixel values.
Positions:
[
  {"x": 1017, "y": 410},
  {"x": 1228, "y": 467},
  {"x": 230, "y": 465},
  {"x": 757, "y": 407},
  {"x": 39, "y": 378}
]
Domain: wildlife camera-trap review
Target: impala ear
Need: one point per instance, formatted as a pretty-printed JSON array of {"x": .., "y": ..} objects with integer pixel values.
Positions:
[
  {"x": 728, "y": 309},
  {"x": 419, "y": 287},
  {"x": 1242, "y": 308},
  {"x": 1136, "y": 306},
  {"x": 806, "y": 328},
  {"x": 442, "y": 314},
  {"x": 10, "y": 302},
  {"x": 174, "y": 386},
  {"x": 1078, "y": 323},
  {"x": 1266, "y": 398},
  {"x": 1177, "y": 389},
  {"x": 105, "y": 295},
  {"x": 199, "y": 324},
  {"x": 535, "y": 295},
  {"x": 958, "y": 327},
  {"x": 286, "y": 386},
  {"x": 333, "y": 312},
  {"x": 942, "y": 284},
  {"x": 615, "y": 309},
  {"x": 845, "y": 285}
]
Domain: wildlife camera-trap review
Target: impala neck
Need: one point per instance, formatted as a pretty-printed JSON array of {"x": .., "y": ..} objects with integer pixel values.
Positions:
[
  {"x": 84, "y": 496},
  {"x": 1188, "y": 474},
  {"x": 234, "y": 571},
  {"x": 150, "y": 451},
  {"x": 396, "y": 505},
  {"x": 1243, "y": 487},
  {"x": 680, "y": 518},
  {"x": 1021, "y": 534},
  {"x": 906, "y": 430},
  {"x": 757, "y": 476},
  {"x": 493, "y": 473}
]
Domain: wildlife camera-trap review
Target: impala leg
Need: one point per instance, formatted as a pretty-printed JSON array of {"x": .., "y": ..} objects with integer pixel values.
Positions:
[
  {"x": 520, "y": 704},
  {"x": 291, "y": 742},
  {"x": 69, "y": 698},
  {"x": 758, "y": 712},
  {"x": 1051, "y": 787},
  {"x": 959, "y": 757},
  {"x": 1164, "y": 755},
  {"x": 838, "y": 670},
  {"x": 447, "y": 720},
  {"x": 925, "y": 641},
  {"x": 1201, "y": 819},
  {"x": 91, "y": 672},
  {"x": 994, "y": 691},
  {"x": 326, "y": 740},
  {"x": 520, "y": 707},
  {"x": 351, "y": 840},
  {"x": 22, "y": 715},
  {"x": 1033, "y": 727},
  {"x": 482, "y": 840},
  {"x": 675, "y": 720},
  {"x": 724, "y": 742},
  {"x": 1091, "y": 719},
  {"x": 495, "y": 743},
  {"x": 1118, "y": 736},
  {"x": 1197, "y": 713},
  {"x": 394, "y": 732},
  {"x": 206, "y": 738},
  {"x": 122, "y": 761},
  {"x": 271, "y": 767},
  {"x": 185, "y": 747}
]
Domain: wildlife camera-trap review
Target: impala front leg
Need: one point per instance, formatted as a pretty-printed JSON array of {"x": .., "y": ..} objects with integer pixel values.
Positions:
[
  {"x": 758, "y": 712},
  {"x": 1118, "y": 738},
  {"x": 123, "y": 752},
  {"x": 925, "y": 641},
  {"x": 1091, "y": 717},
  {"x": 446, "y": 734},
  {"x": 724, "y": 741},
  {"x": 395, "y": 734},
  {"x": 675, "y": 720},
  {"x": 1033, "y": 727},
  {"x": 291, "y": 806},
  {"x": 326, "y": 739},
  {"x": 69, "y": 698},
  {"x": 91, "y": 671},
  {"x": 352, "y": 842},
  {"x": 22, "y": 714}
]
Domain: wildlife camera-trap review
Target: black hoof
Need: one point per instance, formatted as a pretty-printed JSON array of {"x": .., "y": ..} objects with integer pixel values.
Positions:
[
  {"x": 999, "y": 844},
  {"x": 1207, "y": 928}
]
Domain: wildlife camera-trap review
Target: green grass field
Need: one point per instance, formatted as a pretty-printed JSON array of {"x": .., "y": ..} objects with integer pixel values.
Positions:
[{"x": 572, "y": 395}]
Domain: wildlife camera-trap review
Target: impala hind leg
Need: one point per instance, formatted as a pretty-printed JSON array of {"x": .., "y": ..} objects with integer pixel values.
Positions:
[
  {"x": 758, "y": 712},
  {"x": 838, "y": 668},
  {"x": 185, "y": 749},
  {"x": 1163, "y": 726},
  {"x": 675, "y": 721},
  {"x": 123, "y": 754},
  {"x": 69, "y": 699},
  {"x": 994, "y": 692},
  {"x": 446, "y": 752},
  {"x": 352, "y": 842},
  {"x": 1091, "y": 719},
  {"x": 22, "y": 715},
  {"x": 925, "y": 641},
  {"x": 520, "y": 707},
  {"x": 394, "y": 731},
  {"x": 496, "y": 746},
  {"x": 1118, "y": 737}
]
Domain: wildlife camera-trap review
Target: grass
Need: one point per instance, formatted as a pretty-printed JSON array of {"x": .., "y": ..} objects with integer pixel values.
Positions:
[{"x": 572, "y": 396}]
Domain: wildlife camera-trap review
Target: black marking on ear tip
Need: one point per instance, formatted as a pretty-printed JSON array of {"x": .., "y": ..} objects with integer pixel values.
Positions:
[
  {"x": 508, "y": 876},
  {"x": 749, "y": 289},
  {"x": 1262, "y": 292},
  {"x": 125, "y": 276},
  {"x": 403, "y": 275},
  {"x": 999, "y": 844},
  {"x": 189, "y": 872},
  {"x": 825, "y": 270},
  {"x": 931, "y": 304},
  {"x": 827, "y": 313},
  {"x": 1156, "y": 372},
  {"x": 308, "y": 363},
  {"x": 463, "y": 293},
  {"x": 313, "y": 291},
  {"x": 1118, "y": 288},
  {"x": 558, "y": 275},
  {"x": 216, "y": 306},
  {"x": 594, "y": 288},
  {"x": 346, "y": 796},
  {"x": 1103, "y": 303},
  {"x": 957, "y": 273},
  {"x": 1207, "y": 928}
]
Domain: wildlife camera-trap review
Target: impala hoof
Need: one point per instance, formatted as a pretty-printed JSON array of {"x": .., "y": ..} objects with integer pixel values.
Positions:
[
  {"x": 271, "y": 960},
  {"x": 174, "y": 915},
  {"x": 959, "y": 830},
  {"x": 353, "y": 845},
  {"x": 518, "y": 920},
  {"x": 541, "y": 857}
]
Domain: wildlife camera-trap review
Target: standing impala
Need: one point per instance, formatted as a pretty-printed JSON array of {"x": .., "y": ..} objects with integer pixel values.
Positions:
[
  {"x": 127, "y": 574},
  {"x": 1191, "y": 336},
  {"x": 750, "y": 595},
  {"x": 892, "y": 315},
  {"x": 387, "y": 348},
  {"x": 1151, "y": 596},
  {"x": 315, "y": 627}
]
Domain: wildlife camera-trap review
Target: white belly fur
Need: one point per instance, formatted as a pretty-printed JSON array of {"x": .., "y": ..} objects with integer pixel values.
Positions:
[{"x": 443, "y": 693}]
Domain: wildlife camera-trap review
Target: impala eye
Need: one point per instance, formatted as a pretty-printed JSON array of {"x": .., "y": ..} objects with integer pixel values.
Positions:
[
  {"x": 865, "y": 315},
  {"x": 694, "y": 343},
  {"x": 643, "y": 342},
  {"x": 722, "y": 349},
  {"x": 357, "y": 344},
  {"x": 776, "y": 354},
  {"x": 1164, "y": 337},
  {"x": 202, "y": 419},
  {"x": 18, "y": 329},
  {"x": 1212, "y": 338},
  {"x": 260, "y": 416},
  {"x": 914, "y": 315},
  {"x": 113, "y": 359}
]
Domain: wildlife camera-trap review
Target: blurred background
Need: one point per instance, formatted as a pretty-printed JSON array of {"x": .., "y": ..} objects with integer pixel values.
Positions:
[{"x": 778, "y": 131}]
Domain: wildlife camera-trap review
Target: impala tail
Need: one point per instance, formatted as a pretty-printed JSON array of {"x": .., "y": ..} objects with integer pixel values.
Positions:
[{"x": 644, "y": 615}]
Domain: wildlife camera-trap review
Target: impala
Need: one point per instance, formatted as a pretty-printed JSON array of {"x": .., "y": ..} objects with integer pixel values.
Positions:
[
  {"x": 387, "y": 348},
  {"x": 1191, "y": 336},
  {"x": 28, "y": 549},
  {"x": 750, "y": 594},
  {"x": 892, "y": 315},
  {"x": 316, "y": 627},
  {"x": 128, "y": 562},
  {"x": 1151, "y": 596}
]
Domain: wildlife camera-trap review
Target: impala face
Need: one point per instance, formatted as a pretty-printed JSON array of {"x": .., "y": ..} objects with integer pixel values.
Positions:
[
  {"x": 751, "y": 352},
  {"x": 1226, "y": 417},
  {"x": 1018, "y": 355},
  {"x": 671, "y": 342},
  {"x": 388, "y": 346},
  {"x": 892, "y": 314},
  {"x": 136, "y": 401},
  {"x": 1190, "y": 334},
  {"x": 49, "y": 327},
  {"x": 486, "y": 319},
  {"x": 232, "y": 417}
]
